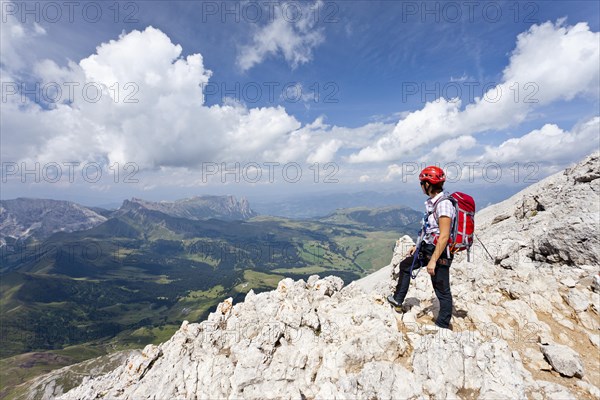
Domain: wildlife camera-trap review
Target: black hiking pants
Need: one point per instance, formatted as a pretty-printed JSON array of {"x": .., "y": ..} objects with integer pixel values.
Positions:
[{"x": 440, "y": 282}]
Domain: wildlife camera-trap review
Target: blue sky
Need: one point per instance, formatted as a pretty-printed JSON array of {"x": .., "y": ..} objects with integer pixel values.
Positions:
[{"x": 384, "y": 73}]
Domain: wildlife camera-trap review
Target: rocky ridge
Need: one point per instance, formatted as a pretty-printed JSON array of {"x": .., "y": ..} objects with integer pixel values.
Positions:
[
  {"x": 526, "y": 322},
  {"x": 195, "y": 208},
  {"x": 24, "y": 217}
]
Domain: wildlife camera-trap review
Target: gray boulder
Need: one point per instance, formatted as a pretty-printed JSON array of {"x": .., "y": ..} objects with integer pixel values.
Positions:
[
  {"x": 578, "y": 300},
  {"x": 563, "y": 359}
]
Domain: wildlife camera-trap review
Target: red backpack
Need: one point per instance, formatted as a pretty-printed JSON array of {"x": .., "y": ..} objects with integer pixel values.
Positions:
[{"x": 463, "y": 225}]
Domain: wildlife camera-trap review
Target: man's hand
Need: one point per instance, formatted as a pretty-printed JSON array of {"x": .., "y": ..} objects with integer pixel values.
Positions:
[
  {"x": 431, "y": 267},
  {"x": 412, "y": 250}
]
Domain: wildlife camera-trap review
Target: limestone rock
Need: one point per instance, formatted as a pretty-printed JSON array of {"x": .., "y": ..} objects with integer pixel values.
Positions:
[
  {"x": 563, "y": 359},
  {"x": 594, "y": 339},
  {"x": 554, "y": 391},
  {"x": 589, "y": 320},
  {"x": 577, "y": 300},
  {"x": 57, "y": 382},
  {"x": 536, "y": 360},
  {"x": 448, "y": 361},
  {"x": 552, "y": 219},
  {"x": 596, "y": 283},
  {"x": 591, "y": 389},
  {"x": 569, "y": 282},
  {"x": 302, "y": 339}
]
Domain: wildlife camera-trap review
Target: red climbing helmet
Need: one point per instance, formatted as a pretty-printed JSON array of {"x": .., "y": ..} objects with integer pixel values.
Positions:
[{"x": 433, "y": 175}]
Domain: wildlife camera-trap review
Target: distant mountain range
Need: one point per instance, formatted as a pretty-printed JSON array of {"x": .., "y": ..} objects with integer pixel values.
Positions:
[
  {"x": 22, "y": 218},
  {"x": 392, "y": 217},
  {"x": 318, "y": 205},
  {"x": 226, "y": 208}
]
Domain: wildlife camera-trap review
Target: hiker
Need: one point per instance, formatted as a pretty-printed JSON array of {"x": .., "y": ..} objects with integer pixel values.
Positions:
[{"x": 433, "y": 251}]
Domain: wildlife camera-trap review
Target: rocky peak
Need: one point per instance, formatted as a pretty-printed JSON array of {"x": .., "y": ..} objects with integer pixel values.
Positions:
[
  {"x": 24, "y": 217},
  {"x": 553, "y": 222},
  {"x": 196, "y": 208}
]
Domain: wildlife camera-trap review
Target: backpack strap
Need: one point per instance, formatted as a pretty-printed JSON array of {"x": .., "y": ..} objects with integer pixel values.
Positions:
[
  {"x": 453, "y": 226},
  {"x": 438, "y": 201}
]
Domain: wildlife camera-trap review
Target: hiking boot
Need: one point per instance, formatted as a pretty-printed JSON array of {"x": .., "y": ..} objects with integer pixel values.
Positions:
[
  {"x": 393, "y": 301},
  {"x": 449, "y": 327},
  {"x": 430, "y": 328}
]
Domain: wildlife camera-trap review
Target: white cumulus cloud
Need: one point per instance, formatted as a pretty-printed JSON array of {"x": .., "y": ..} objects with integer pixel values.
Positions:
[
  {"x": 325, "y": 152},
  {"x": 144, "y": 104},
  {"x": 152, "y": 112},
  {"x": 550, "y": 62},
  {"x": 14, "y": 37},
  {"x": 292, "y": 34},
  {"x": 549, "y": 144}
]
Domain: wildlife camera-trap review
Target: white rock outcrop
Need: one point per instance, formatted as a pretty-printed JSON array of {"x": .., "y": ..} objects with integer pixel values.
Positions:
[
  {"x": 563, "y": 359},
  {"x": 308, "y": 339},
  {"x": 312, "y": 340}
]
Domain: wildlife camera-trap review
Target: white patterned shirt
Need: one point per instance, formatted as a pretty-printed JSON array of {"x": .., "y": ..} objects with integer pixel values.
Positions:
[{"x": 444, "y": 208}]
